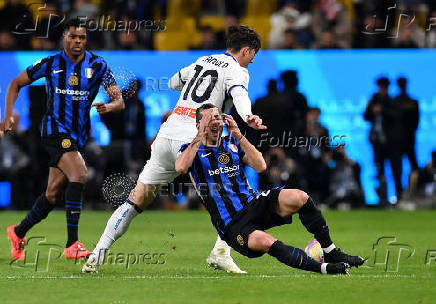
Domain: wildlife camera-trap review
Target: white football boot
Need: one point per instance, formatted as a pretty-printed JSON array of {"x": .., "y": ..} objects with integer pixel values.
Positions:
[
  {"x": 91, "y": 265},
  {"x": 220, "y": 260}
]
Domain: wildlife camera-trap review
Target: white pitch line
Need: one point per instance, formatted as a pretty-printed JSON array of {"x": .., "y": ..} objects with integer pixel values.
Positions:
[{"x": 92, "y": 276}]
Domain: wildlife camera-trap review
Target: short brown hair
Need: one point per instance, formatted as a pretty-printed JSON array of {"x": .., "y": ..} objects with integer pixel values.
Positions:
[{"x": 239, "y": 36}]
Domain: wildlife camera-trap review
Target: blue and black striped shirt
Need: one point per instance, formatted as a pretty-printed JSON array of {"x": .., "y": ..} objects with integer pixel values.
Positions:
[
  {"x": 221, "y": 169},
  {"x": 71, "y": 88}
]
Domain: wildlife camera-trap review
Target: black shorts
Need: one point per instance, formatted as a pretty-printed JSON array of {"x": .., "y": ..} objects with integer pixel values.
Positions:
[
  {"x": 261, "y": 214},
  {"x": 57, "y": 145}
]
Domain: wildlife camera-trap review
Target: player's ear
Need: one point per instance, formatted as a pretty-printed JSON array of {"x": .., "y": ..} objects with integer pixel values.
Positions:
[{"x": 245, "y": 50}]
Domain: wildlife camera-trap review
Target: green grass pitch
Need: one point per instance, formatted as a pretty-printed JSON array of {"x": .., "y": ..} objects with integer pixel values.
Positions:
[{"x": 401, "y": 266}]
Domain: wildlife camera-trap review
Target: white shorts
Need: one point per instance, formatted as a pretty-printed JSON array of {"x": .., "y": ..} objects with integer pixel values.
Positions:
[{"x": 160, "y": 168}]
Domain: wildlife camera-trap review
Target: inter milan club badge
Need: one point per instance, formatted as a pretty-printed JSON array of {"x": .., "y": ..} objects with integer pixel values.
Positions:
[
  {"x": 73, "y": 80},
  {"x": 66, "y": 143},
  {"x": 224, "y": 159},
  {"x": 240, "y": 240}
]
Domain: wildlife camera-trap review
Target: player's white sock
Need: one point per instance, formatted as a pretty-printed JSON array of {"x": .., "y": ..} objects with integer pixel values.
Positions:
[
  {"x": 221, "y": 247},
  {"x": 116, "y": 226},
  {"x": 329, "y": 248},
  {"x": 324, "y": 268}
]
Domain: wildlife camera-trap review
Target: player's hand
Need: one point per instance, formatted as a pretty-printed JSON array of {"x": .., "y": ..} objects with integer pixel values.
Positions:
[
  {"x": 255, "y": 122},
  {"x": 232, "y": 126},
  {"x": 204, "y": 123},
  {"x": 2, "y": 128},
  {"x": 8, "y": 123},
  {"x": 102, "y": 108}
]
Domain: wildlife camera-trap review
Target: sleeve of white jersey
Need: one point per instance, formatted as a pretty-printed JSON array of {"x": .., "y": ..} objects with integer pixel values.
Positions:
[
  {"x": 236, "y": 84},
  {"x": 178, "y": 80}
]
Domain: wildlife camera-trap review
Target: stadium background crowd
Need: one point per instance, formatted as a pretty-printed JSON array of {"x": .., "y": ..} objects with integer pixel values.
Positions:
[{"x": 325, "y": 172}]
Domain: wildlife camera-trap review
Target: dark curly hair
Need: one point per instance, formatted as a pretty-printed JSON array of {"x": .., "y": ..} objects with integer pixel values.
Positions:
[{"x": 239, "y": 36}]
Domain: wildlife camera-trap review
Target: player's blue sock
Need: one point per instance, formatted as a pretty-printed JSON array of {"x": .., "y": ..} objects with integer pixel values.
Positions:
[
  {"x": 73, "y": 207},
  {"x": 40, "y": 209},
  {"x": 312, "y": 219},
  {"x": 294, "y": 257}
]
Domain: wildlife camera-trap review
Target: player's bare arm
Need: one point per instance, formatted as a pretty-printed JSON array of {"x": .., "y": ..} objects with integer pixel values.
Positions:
[
  {"x": 116, "y": 103},
  {"x": 11, "y": 96},
  {"x": 252, "y": 156},
  {"x": 185, "y": 159}
]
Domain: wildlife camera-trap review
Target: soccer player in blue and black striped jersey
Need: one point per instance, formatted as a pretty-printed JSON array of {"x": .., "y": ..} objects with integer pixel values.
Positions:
[
  {"x": 73, "y": 78},
  {"x": 240, "y": 214}
]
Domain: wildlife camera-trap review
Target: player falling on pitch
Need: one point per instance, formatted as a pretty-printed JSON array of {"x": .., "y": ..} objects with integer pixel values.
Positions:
[
  {"x": 211, "y": 79},
  {"x": 73, "y": 77},
  {"x": 241, "y": 214}
]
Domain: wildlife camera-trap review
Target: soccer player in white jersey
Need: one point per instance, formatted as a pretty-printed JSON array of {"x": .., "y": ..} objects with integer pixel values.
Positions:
[{"x": 211, "y": 79}]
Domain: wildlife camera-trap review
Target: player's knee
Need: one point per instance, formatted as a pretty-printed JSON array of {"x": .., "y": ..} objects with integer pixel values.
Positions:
[
  {"x": 80, "y": 176},
  {"x": 53, "y": 196},
  {"x": 260, "y": 241},
  {"x": 302, "y": 198}
]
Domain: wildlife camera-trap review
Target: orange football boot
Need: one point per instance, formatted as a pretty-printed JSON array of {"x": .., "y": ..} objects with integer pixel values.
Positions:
[
  {"x": 17, "y": 244},
  {"x": 76, "y": 251}
]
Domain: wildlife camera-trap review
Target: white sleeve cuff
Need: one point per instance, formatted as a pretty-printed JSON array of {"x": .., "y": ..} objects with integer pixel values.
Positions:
[{"x": 241, "y": 101}]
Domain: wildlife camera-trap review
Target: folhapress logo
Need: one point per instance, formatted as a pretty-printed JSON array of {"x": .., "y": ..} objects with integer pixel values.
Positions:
[
  {"x": 76, "y": 94},
  {"x": 231, "y": 170}
]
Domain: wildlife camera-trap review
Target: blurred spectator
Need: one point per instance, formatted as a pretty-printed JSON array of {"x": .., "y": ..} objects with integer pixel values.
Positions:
[
  {"x": 208, "y": 39},
  {"x": 405, "y": 40},
  {"x": 15, "y": 165},
  {"x": 84, "y": 8},
  {"x": 7, "y": 41},
  {"x": 275, "y": 110},
  {"x": 50, "y": 29},
  {"x": 289, "y": 17},
  {"x": 330, "y": 15},
  {"x": 410, "y": 110},
  {"x": 296, "y": 101},
  {"x": 267, "y": 108},
  {"x": 127, "y": 151},
  {"x": 128, "y": 40},
  {"x": 281, "y": 170},
  {"x": 430, "y": 39},
  {"x": 312, "y": 157},
  {"x": 427, "y": 178},
  {"x": 377, "y": 135},
  {"x": 16, "y": 17},
  {"x": 290, "y": 40},
  {"x": 327, "y": 41},
  {"x": 386, "y": 135},
  {"x": 345, "y": 184},
  {"x": 235, "y": 8}
]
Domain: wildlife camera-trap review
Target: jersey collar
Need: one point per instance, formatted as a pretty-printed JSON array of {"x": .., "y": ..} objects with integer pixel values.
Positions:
[
  {"x": 69, "y": 60},
  {"x": 228, "y": 54}
]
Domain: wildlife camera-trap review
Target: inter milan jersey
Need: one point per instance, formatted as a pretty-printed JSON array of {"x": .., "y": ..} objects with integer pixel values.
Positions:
[
  {"x": 218, "y": 177},
  {"x": 71, "y": 88}
]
